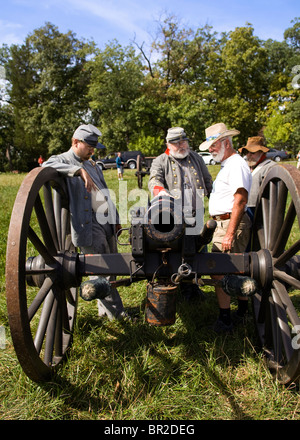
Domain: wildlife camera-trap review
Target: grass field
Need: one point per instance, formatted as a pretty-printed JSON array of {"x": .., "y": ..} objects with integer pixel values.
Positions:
[{"x": 132, "y": 371}]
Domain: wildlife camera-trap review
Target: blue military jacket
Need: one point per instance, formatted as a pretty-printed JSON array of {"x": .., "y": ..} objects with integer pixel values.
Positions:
[{"x": 80, "y": 201}]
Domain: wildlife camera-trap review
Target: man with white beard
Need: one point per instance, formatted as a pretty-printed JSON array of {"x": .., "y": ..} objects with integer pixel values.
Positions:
[
  {"x": 180, "y": 172},
  {"x": 178, "y": 168},
  {"x": 228, "y": 205}
]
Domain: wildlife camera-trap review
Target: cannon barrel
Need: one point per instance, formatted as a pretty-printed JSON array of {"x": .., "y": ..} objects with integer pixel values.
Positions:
[
  {"x": 167, "y": 224},
  {"x": 164, "y": 224}
]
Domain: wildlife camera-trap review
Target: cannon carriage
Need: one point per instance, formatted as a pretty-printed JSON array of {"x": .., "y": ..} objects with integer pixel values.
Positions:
[
  {"x": 44, "y": 271},
  {"x": 142, "y": 169}
]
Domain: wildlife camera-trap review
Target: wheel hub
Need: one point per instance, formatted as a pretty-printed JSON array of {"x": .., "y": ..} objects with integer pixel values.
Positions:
[
  {"x": 65, "y": 271},
  {"x": 261, "y": 267}
]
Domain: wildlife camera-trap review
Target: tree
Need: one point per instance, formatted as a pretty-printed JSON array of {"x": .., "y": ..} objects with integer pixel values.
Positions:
[
  {"x": 292, "y": 34},
  {"x": 293, "y": 117},
  {"x": 49, "y": 88},
  {"x": 8, "y": 159},
  {"x": 190, "y": 78},
  {"x": 175, "y": 90},
  {"x": 242, "y": 90},
  {"x": 277, "y": 131},
  {"x": 282, "y": 114},
  {"x": 116, "y": 81}
]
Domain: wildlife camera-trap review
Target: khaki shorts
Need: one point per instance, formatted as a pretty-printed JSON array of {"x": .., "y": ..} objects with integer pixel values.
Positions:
[{"x": 241, "y": 238}]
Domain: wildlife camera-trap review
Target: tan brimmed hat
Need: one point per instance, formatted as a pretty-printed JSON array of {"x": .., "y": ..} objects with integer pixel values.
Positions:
[
  {"x": 215, "y": 133},
  {"x": 254, "y": 144}
]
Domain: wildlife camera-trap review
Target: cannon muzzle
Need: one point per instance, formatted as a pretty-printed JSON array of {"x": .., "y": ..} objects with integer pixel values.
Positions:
[
  {"x": 164, "y": 224},
  {"x": 167, "y": 224}
]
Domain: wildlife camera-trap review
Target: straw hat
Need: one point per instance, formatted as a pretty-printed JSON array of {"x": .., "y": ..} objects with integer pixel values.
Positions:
[
  {"x": 215, "y": 133},
  {"x": 254, "y": 144}
]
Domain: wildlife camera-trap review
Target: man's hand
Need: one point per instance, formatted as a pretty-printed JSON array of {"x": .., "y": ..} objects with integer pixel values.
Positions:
[
  {"x": 88, "y": 181},
  {"x": 163, "y": 193},
  {"x": 227, "y": 242}
]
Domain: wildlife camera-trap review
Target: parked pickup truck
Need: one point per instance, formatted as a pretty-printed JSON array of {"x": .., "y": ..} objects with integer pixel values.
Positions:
[{"x": 128, "y": 157}]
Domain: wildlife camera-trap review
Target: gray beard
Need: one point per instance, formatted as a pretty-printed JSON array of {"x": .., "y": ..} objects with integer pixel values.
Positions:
[
  {"x": 180, "y": 155},
  {"x": 219, "y": 156},
  {"x": 252, "y": 163}
]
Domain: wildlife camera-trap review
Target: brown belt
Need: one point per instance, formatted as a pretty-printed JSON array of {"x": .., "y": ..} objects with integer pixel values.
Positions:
[{"x": 222, "y": 216}]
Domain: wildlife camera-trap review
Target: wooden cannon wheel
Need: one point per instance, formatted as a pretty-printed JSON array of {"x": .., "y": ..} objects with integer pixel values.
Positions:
[
  {"x": 276, "y": 228},
  {"x": 41, "y": 310}
]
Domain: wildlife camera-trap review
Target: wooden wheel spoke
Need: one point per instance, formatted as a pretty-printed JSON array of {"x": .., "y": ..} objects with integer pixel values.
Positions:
[
  {"x": 266, "y": 220},
  {"x": 49, "y": 209},
  {"x": 44, "y": 226},
  {"x": 278, "y": 203},
  {"x": 58, "y": 326},
  {"x": 50, "y": 329},
  {"x": 63, "y": 305},
  {"x": 287, "y": 303},
  {"x": 288, "y": 254},
  {"x": 57, "y": 216},
  {"x": 261, "y": 237},
  {"x": 282, "y": 330},
  {"x": 38, "y": 300},
  {"x": 71, "y": 298},
  {"x": 271, "y": 211},
  {"x": 65, "y": 317},
  {"x": 270, "y": 334},
  {"x": 51, "y": 334},
  {"x": 284, "y": 232},
  {"x": 40, "y": 247},
  {"x": 43, "y": 322},
  {"x": 286, "y": 278}
]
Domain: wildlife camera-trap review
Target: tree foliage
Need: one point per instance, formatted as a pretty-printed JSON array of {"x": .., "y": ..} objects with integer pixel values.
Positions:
[
  {"x": 116, "y": 78},
  {"x": 48, "y": 90},
  {"x": 188, "y": 77}
]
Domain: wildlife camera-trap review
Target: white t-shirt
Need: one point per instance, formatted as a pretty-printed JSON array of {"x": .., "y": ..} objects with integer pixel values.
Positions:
[{"x": 234, "y": 174}]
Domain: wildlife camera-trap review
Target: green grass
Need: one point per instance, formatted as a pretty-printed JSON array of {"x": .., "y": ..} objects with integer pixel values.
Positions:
[{"x": 132, "y": 371}]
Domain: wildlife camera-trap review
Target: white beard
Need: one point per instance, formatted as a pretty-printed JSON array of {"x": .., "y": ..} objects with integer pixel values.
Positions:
[
  {"x": 218, "y": 157},
  {"x": 178, "y": 155}
]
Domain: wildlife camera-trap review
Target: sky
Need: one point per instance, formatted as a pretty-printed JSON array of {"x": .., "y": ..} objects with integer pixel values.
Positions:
[{"x": 125, "y": 20}]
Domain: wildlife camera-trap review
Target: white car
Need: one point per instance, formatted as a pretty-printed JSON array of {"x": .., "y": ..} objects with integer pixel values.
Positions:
[{"x": 207, "y": 157}]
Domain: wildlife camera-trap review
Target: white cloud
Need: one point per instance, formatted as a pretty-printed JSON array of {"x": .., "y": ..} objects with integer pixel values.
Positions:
[
  {"x": 126, "y": 16},
  {"x": 10, "y": 33}
]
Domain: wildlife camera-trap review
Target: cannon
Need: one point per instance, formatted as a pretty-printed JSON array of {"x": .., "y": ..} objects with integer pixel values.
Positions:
[
  {"x": 44, "y": 271},
  {"x": 142, "y": 169}
]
